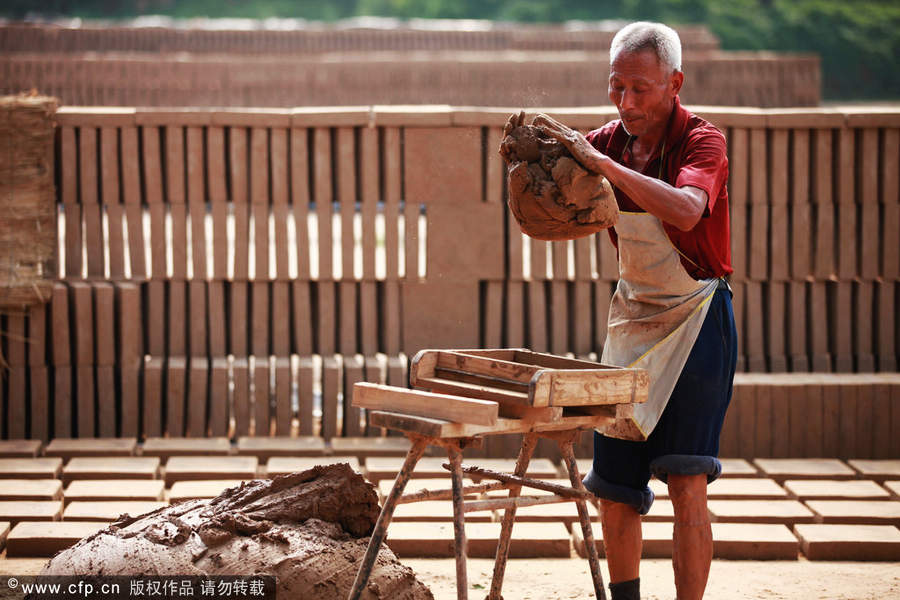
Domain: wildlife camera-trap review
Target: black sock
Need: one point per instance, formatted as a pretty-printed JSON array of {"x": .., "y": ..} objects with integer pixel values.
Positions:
[{"x": 626, "y": 590}]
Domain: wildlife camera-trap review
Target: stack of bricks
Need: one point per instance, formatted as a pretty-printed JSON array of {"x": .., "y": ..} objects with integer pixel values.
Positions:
[
  {"x": 349, "y": 66},
  {"x": 313, "y": 38},
  {"x": 465, "y": 78}
]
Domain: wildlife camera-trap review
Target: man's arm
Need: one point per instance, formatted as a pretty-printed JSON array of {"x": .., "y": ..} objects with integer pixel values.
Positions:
[{"x": 681, "y": 207}]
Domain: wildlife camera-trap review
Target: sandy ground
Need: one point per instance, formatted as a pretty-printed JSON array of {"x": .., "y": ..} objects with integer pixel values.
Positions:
[
  {"x": 558, "y": 579},
  {"x": 565, "y": 578}
]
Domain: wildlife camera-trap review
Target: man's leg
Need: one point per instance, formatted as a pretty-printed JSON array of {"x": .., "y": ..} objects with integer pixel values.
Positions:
[
  {"x": 692, "y": 538},
  {"x": 622, "y": 539}
]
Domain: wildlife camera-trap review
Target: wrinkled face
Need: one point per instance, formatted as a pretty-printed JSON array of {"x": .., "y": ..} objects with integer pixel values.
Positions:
[{"x": 643, "y": 91}]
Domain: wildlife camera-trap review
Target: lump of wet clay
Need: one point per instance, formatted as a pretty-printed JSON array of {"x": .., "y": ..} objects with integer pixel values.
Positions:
[
  {"x": 309, "y": 529},
  {"x": 550, "y": 194}
]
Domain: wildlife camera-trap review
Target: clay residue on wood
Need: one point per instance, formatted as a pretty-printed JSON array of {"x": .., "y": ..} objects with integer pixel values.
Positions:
[
  {"x": 308, "y": 529},
  {"x": 550, "y": 194}
]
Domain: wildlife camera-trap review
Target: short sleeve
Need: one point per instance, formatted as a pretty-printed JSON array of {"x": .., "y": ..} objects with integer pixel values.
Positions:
[{"x": 704, "y": 164}]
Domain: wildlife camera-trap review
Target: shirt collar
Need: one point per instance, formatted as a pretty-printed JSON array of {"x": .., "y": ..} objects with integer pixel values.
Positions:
[{"x": 675, "y": 130}]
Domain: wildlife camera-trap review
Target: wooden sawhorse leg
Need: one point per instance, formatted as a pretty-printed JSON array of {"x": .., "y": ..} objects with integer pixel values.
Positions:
[
  {"x": 419, "y": 443},
  {"x": 565, "y": 440},
  {"x": 509, "y": 516},
  {"x": 387, "y": 512}
]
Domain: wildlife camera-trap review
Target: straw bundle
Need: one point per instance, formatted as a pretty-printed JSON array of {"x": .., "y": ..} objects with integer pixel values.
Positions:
[{"x": 27, "y": 200}]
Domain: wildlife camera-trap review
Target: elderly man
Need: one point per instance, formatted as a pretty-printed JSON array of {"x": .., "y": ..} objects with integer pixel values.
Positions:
[{"x": 671, "y": 312}]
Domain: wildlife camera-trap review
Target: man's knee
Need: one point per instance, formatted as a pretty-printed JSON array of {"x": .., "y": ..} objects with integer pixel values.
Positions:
[{"x": 688, "y": 496}]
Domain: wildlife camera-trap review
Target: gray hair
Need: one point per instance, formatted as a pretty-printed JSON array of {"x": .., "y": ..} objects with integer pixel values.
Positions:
[{"x": 645, "y": 35}]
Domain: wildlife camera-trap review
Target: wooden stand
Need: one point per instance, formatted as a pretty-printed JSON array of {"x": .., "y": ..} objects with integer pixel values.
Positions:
[{"x": 497, "y": 392}]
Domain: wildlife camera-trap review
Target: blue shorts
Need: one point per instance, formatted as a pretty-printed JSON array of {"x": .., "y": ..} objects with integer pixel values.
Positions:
[{"x": 686, "y": 439}]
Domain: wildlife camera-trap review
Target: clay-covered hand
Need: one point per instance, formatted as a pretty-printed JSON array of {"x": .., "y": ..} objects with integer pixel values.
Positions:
[
  {"x": 573, "y": 140},
  {"x": 515, "y": 120}
]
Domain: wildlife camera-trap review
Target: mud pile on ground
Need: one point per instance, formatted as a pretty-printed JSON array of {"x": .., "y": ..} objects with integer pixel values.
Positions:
[
  {"x": 550, "y": 194},
  {"x": 308, "y": 529}
]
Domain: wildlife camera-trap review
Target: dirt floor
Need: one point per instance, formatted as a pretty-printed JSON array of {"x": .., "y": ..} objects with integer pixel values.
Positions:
[
  {"x": 729, "y": 580},
  {"x": 559, "y": 579}
]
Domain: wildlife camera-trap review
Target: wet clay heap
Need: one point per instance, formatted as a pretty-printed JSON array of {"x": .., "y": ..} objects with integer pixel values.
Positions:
[
  {"x": 550, "y": 194},
  {"x": 307, "y": 529}
]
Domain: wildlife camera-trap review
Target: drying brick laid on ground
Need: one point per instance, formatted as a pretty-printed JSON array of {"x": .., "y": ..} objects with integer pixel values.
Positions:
[
  {"x": 756, "y": 541},
  {"x": 179, "y": 446},
  {"x": 30, "y": 468},
  {"x": 119, "y": 467},
  {"x": 183, "y": 468},
  {"x": 786, "y": 512},
  {"x": 738, "y": 467},
  {"x": 68, "y": 448},
  {"x": 281, "y": 465},
  {"x": 108, "y": 510},
  {"x": 46, "y": 539},
  {"x": 435, "y": 511},
  {"x": 31, "y": 489},
  {"x": 781, "y": 469},
  {"x": 370, "y": 446},
  {"x": 266, "y": 447},
  {"x": 529, "y": 540},
  {"x": 26, "y": 510},
  {"x": 750, "y": 488},
  {"x": 829, "y": 489},
  {"x": 194, "y": 490},
  {"x": 115, "y": 490},
  {"x": 879, "y": 470},
  {"x": 856, "y": 512},
  {"x": 849, "y": 542},
  {"x": 20, "y": 448}
]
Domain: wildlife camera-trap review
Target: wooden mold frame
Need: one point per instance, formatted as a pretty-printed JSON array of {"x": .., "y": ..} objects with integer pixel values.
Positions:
[
  {"x": 479, "y": 392},
  {"x": 468, "y": 394}
]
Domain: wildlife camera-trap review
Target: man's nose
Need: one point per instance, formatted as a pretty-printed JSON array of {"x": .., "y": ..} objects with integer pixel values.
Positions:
[{"x": 627, "y": 99}]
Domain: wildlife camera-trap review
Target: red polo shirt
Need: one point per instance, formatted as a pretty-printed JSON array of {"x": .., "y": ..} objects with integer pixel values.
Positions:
[{"x": 695, "y": 154}]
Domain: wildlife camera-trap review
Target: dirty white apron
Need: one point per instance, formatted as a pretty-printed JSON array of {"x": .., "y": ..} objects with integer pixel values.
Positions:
[{"x": 656, "y": 312}]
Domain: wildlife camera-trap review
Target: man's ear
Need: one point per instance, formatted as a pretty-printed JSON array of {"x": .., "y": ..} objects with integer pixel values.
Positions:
[{"x": 676, "y": 81}]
